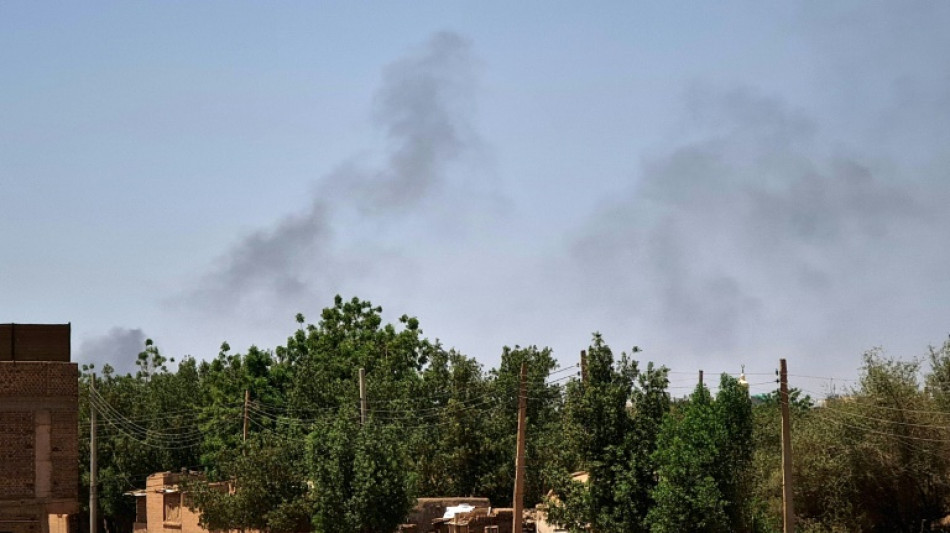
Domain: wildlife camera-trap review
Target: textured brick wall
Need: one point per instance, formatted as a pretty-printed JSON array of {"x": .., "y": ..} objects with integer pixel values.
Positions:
[
  {"x": 17, "y": 524},
  {"x": 16, "y": 454},
  {"x": 27, "y": 388},
  {"x": 39, "y": 380},
  {"x": 65, "y": 454}
]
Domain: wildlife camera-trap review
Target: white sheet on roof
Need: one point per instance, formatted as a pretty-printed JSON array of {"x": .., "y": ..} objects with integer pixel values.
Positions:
[{"x": 451, "y": 511}]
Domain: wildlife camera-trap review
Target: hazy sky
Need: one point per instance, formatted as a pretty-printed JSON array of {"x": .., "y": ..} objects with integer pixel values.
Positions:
[{"x": 718, "y": 183}]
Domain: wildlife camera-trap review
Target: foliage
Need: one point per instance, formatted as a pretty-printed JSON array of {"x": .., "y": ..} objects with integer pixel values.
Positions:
[
  {"x": 703, "y": 457},
  {"x": 500, "y": 436},
  {"x": 155, "y": 432},
  {"x": 875, "y": 458},
  {"x": 263, "y": 486},
  {"x": 613, "y": 420},
  {"x": 448, "y": 446},
  {"x": 360, "y": 483}
]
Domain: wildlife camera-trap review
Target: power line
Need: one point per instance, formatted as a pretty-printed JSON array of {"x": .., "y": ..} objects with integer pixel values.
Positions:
[
  {"x": 191, "y": 437},
  {"x": 884, "y": 420},
  {"x": 108, "y": 411},
  {"x": 877, "y": 431}
]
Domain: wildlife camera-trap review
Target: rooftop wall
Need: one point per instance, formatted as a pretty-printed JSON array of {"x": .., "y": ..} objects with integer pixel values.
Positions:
[{"x": 35, "y": 342}]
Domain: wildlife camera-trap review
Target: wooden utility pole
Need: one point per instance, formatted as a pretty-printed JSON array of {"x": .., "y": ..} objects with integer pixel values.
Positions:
[
  {"x": 584, "y": 367},
  {"x": 93, "y": 466},
  {"x": 700, "y": 378},
  {"x": 362, "y": 396},
  {"x": 247, "y": 400},
  {"x": 788, "y": 496},
  {"x": 518, "y": 501}
]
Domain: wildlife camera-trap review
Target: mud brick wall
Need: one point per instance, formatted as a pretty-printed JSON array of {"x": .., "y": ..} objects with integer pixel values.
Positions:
[
  {"x": 33, "y": 379},
  {"x": 16, "y": 454},
  {"x": 38, "y": 398},
  {"x": 65, "y": 454}
]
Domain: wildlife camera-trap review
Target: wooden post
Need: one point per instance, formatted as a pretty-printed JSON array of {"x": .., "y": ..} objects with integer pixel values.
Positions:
[
  {"x": 247, "y": 400},
  {"x": 518, "y": 501},
  {"x": 700, "y": 378},
  {"x": 788, "y": 496},
  {"x": 584, "y": 367},
  {"x": 93, "y": 460},
  {"x": 362, "y": 396}
]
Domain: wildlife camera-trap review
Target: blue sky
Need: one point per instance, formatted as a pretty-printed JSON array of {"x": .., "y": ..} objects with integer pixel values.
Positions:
[{"x": 720, "y": 184}]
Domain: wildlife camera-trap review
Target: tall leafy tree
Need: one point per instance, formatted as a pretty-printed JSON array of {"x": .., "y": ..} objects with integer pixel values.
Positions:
[
  {"x": 263, "y": 486},
  {"x": 447, "y": 435},
  {"x": 613, "y": 420},
  {"x": 543, "y": 420},
  {"x": 146, "y": 424},
  {"x": 688, "y": 495},
  {"x": 876, "y": 460},
  {"x": 360, "y": 483},
  {"x": 703, "y": 457},
  {"x": 733, "y": 409},
  {"x": 938, "y": 380}
]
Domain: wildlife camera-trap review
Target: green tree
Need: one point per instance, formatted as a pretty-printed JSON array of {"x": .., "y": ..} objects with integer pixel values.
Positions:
[
  {"x": 765, "y": 500},
  {"x": 733, "y": 408},
  {"x": 350, "y": 335},
  {"x": 703, "y": 457},
  {"x": 447, "y": 434},
  {"x": 360, "y": 481},
  {"x": 875, "y": 460},
  {"x": 146, "y": 424},
  {"x": 543, "y": 447},
  {"x": 269, "y": 492},
  {"x": 612, "y": 421},
  {"x": 223, "y": 382},
  {"x": 938, "y": 380},
  {"x": 688, "y": 497}
]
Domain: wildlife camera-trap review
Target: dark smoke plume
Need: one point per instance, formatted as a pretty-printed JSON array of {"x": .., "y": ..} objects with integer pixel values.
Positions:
[
  {"x": 753, "y": 235},
  {"x": 119, "y": 347},
  {"x": 420, "y": 107}
]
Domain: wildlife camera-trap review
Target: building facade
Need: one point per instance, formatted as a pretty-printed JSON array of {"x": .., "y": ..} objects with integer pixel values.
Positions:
[
  {"x": 39, "y": 417},
  {"x": 162, "y": 507}
]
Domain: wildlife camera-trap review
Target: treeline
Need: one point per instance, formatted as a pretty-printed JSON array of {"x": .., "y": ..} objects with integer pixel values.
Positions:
[{"x": 439, "y": 424}]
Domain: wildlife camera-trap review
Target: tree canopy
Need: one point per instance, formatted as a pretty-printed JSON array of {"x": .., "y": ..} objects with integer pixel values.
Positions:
[{"x": 872, "y": 457}]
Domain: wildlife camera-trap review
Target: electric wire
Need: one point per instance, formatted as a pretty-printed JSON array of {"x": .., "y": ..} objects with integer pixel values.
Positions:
[
  {"x": 107, "y": 411},
  {"x": 845, "y": 412},
  {"x": 877, "y": 431},
  {"x": 190, "y": 437},
  {"x": 884, "y": 407}
]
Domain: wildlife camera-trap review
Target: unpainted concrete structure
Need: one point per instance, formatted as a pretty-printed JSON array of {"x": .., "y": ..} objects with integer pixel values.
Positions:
[{"x": 162, "y": 507}]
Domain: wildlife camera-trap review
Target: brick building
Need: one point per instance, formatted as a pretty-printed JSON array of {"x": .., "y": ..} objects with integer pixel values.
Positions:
[
  {"x": 39, "y": 444},
  {"x": 163, "y": 507}
]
